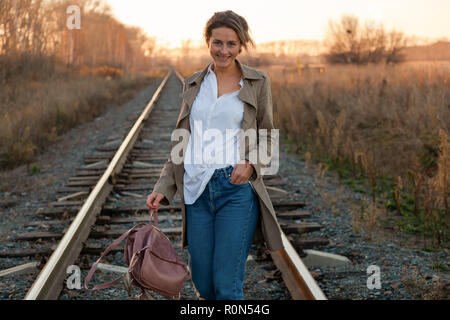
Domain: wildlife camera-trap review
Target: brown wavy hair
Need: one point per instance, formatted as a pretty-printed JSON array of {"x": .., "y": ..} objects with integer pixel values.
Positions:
[{"x": 232, "y": 20}]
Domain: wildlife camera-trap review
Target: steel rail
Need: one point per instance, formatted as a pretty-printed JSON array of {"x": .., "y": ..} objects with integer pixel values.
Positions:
[
  {"x": 295, "y": 274},
  {"x": 50, "y": 280}
]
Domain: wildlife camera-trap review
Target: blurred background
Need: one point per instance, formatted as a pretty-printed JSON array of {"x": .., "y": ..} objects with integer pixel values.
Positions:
[{"x": 362, "y": 87}]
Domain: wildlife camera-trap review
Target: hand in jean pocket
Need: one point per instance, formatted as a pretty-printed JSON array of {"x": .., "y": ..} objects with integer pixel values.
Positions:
[{"x": 241, "y": 172}]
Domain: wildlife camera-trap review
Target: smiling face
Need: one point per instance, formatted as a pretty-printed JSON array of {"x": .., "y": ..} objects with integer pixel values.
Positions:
[{"x": 224, "y": 46}]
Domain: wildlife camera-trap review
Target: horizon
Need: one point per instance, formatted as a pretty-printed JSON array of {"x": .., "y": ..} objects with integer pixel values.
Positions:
[{"x": 293, "y": 21}]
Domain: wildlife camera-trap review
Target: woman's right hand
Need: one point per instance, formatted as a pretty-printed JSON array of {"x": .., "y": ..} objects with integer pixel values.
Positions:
[{"x": 153, "y": 200}]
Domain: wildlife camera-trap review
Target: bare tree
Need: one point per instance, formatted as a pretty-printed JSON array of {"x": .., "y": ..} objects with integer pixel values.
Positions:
[
  {"x": 395, "y": 42},
  {"x": 342, "y": 40},
  {"x": 351, "y": 42}
]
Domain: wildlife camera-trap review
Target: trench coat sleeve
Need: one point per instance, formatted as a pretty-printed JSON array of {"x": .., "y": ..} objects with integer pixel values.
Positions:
[
  {"x": 166, "y": 183},
  {"x": 264, "y": 120}
]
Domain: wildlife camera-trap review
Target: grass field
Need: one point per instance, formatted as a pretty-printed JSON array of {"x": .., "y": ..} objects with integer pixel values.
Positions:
[
  {"x": 385, "y": 127},
  {"x": 36, "y": 109}
]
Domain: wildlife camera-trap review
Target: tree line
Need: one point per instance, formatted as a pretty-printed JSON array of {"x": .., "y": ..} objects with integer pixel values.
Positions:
[{"x": 37, "y": 30}]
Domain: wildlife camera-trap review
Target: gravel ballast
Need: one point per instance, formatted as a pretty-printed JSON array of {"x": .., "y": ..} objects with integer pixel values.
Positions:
[{"x": 406, "y": 271}]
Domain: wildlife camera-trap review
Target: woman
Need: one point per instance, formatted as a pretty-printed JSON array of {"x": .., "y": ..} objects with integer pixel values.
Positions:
[{"x": 222, "y": 201}]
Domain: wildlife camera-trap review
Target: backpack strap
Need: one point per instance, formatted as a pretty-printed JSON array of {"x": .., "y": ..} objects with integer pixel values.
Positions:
[
  {"x": 94, "y": 266},
  {"x": 154, "y": 217}
]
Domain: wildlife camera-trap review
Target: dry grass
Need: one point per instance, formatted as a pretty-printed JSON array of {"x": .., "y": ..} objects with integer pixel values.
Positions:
[
  {"x": 436, "y": 288},
  {"x": 365, "y": 218},
  {"x": 388, "y": 125},
  {"x": 35, "y": 111}
]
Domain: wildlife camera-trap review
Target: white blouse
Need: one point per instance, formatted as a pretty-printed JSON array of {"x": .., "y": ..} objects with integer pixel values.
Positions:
[{"x": 215, "y": 130}]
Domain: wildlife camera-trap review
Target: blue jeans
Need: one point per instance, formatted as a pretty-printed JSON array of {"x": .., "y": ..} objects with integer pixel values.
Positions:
[{"x": 220, "y": 228}]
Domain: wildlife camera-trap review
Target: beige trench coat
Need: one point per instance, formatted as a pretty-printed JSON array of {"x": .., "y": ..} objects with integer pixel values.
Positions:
[{"x": 258, "y": 114}]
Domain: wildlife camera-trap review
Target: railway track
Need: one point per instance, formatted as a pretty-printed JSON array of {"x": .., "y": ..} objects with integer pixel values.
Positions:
[{"x": 107, "y": 196}]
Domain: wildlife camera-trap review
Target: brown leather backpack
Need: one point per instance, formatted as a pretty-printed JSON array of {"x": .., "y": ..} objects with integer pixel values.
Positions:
[{"x": 153, "y": 263}]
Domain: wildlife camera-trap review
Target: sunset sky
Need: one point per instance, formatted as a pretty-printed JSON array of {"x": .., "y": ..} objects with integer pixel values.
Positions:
[{"x": 171, "y": 21}]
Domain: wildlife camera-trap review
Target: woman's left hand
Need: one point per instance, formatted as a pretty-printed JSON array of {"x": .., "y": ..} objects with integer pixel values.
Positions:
[{"x": 241, "y": 172}]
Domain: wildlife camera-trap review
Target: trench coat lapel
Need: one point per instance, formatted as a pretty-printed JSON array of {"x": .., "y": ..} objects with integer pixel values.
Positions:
[
  {"x": 192, "y": 84},
  {"x": 247, "y": 94}
]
